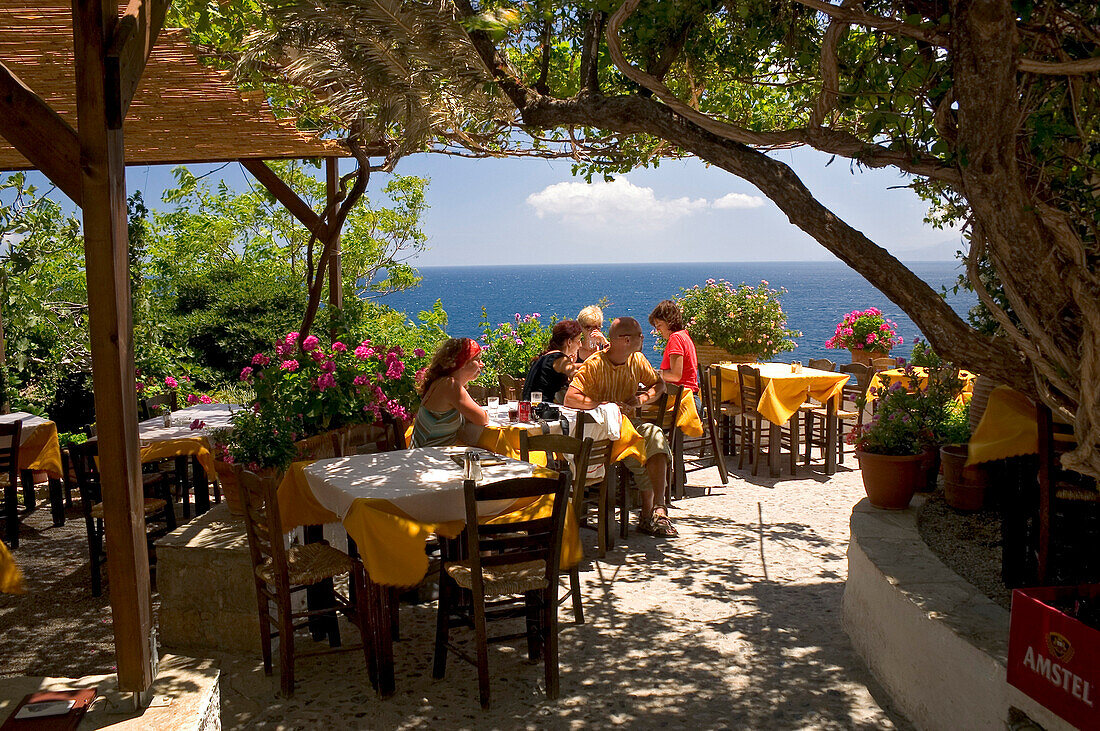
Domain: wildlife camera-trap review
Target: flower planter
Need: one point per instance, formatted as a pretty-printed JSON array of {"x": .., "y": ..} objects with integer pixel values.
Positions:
[
  {"x": 230, "y": 481},
  {"x": 983, "y": 386},
  {"x": 963, "y": 487},
  {"x": 322, "y": 446},
  {"x": 931, "y": 457},
  {"x": 708, "y": 355},
  {"x": 891, "y": 480},
  {"x": 864, "y": 357}
]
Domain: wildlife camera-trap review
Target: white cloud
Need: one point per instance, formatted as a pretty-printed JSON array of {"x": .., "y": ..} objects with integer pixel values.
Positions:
[
  {"x": 739, "y": 200},
  {"x": 619, "y": 202}
]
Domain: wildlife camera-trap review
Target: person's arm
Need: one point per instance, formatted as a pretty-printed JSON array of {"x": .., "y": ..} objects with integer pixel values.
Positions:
[
  {"x": 646, "y": 375},
  {"x": 574, "y": 399},
  {"x": 675, "y": 371},
  {"x": 469, "y": 409},
  {"x": 565, "y": 366}
]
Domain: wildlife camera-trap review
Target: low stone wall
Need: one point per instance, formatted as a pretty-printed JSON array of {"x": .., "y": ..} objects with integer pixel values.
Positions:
[
  {"x": 935, "y": 642},
  {"x": 207, "y": 595}
]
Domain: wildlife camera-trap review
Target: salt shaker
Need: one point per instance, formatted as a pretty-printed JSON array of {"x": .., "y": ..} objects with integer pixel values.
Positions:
[{"x": 471, "y": 467}]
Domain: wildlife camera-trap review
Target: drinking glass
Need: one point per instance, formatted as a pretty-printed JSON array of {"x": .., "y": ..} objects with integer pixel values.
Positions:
[
  {"x": 513, "y": 410},
  {"x": 536, "y": 397},
  {"x": 494, "y": 405}
]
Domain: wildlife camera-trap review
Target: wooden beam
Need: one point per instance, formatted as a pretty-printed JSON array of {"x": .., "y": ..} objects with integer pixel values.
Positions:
[
  {"x": 285, "y": 195},
  {"x": 335, "y": 272},
  {"x": 40, "y": 135},
  {"x": 103, "y": 185},
  {"x": 134, "y": 36}
]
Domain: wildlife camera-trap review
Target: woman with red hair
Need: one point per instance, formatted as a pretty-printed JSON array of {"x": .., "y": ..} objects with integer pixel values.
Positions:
[{"x": 444, "y": 402}]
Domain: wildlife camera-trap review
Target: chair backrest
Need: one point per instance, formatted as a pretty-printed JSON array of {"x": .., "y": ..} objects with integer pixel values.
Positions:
[
  {"x": 534, "y": 539},
  {"x": 510, "y": 388},
  {"x": 862, "y": 373},
  {"x": 9, "y": 450},
  {"x": 82, "y": 458},
  {"x": 748, "y": 378},
  {"x": 369, "y": 438},
  {"x": 714, "y": 384},
  {"x": 559, "y": 445},
  {"x": 822, "y": 364},
  {"x": 661, "y": 414},
  {"x": 263, "y": 525},
  {"x": 478, "y": 393},
  {"x": 706, "y": 394},
  {"x": 883, "y": 364},
  {"x": 599, "y": 456},
  {"x": 150, "y": 407}
]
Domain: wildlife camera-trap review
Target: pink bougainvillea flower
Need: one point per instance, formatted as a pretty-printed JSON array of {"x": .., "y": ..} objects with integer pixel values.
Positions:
[
  {"x": 291, "y": 338},
  {"x": 329, "y": 366},
  {"x": 206, "y": 399},
  {"x": 198, "y": 424},
  {"x": 310, "y": 343},
  {"x": 419, "y": 353},
  {"x": 171, "y": 382},
  {"x": 192, "y": 398},
  {"x": 246, "y": 373},
  {"x": 317, "y": 355},
  {"x": 138, "y": 386},
  {"x": 339, "y": 347},
  {"x": 326, "y": 381},
  {"x": 364, "y": 351},
  {"x": 260, "y": 360},
  {"x": 289, "y": 365},
  {"x": 283, "y": 349},
  {"x": 361, "y": 380}
]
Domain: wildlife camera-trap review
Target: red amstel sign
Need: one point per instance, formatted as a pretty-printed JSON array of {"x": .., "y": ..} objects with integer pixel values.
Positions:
[{"x": 1053, "y": 657}]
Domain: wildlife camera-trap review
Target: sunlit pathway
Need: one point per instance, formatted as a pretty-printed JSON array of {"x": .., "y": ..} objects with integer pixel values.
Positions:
[{"x": 734, "y": 624}]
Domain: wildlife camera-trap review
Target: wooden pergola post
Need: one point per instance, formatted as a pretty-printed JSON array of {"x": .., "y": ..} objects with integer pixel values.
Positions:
[{"x": 335, "y": 274}]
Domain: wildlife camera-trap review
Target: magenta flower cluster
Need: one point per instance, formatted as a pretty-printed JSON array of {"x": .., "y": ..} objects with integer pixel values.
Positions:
[{"x": 865, "y": 330}]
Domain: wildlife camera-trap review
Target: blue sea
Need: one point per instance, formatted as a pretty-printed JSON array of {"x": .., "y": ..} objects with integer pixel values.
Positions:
[{"x": 818, "y": 294}]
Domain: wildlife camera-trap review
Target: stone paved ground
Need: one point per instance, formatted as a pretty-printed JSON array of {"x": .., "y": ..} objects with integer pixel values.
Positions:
[{"x": 735, "y": 624}]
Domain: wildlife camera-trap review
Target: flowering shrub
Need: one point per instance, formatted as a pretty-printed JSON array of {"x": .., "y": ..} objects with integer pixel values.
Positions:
[
  {"x": 187, "y": 394},
  {"x": 867, "y": 330},
  {"x": 510, "y": 347},
  {"x": 742, "y": 320},
  {"x": 328, "y": 386},
  {"x": 909, "y": 419},
  {"x": 257, "y": 441}
]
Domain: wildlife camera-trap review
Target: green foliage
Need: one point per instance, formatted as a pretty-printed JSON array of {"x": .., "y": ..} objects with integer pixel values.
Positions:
[
  {"x": 259, "y": 440},
  {"x": 742, "y": 320},
  {"x": 510, "y": 347},
  {"x": 955, "y": 428},
  {"x": 923, "y": 356},
  {"x": 909, "y": 418}
]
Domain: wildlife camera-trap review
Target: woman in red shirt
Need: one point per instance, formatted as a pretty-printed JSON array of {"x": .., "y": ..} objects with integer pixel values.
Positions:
[{"x": 679, "y": 364}]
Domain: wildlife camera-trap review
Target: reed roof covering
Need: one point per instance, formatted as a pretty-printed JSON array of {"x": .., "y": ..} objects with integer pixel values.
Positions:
[{"x": 182, "y": 111}]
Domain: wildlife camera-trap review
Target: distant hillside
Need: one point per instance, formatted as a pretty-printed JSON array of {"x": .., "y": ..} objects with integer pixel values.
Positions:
[{"x": 943, "y": 251}]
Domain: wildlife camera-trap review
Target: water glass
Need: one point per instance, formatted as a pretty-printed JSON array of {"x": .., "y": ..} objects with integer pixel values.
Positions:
[
  {"x": 536, "y": 397},
  {"x": 513, "y": 410},
  {"x": 494, "y": 405}
]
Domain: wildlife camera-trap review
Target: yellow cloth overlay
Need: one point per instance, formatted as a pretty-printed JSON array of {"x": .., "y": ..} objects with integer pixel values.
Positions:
[
  {"x": 11, "y": 578},
  {"x": 885, "y": 379},
  {"x": 41, "y": 451},
  {"x": 1009, "y": 428},
  {"x": 784, "y": 392},
  {"x": 182, "y": 447},
  {"x": 390, "y": 542}
]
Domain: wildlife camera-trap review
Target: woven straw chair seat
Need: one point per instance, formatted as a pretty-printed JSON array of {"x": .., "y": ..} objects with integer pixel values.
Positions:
[
  {"x": 500, "y": 580},
  {"x": 152, "y": 505},
  {"x": 309, "y": 564},
  {"x": 1081, "y": 494}
]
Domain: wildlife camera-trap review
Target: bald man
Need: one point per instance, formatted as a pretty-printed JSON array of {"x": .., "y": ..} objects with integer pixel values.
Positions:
[{"x": 613, "y": 375}]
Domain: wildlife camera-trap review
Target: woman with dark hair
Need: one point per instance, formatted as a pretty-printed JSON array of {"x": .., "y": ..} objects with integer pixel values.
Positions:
[
  {"x": 679, "y": 364},
  {"x": 444, "y": 402},
  {"x": 551, "y": 371}
]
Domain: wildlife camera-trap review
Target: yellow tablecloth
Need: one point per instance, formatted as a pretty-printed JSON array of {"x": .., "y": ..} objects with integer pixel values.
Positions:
[
  {"x": 1009, "y": 428},
  {"x": 182, "y": 447},
  {"x": 391, "y": 543},
  {"x": 784, "y": 392},
  {"x": 11, "y": 578},
  {"x": 40, "y": 450},
  {"x": 885, "y": 379},
  {"x": 687, "y": 416}
]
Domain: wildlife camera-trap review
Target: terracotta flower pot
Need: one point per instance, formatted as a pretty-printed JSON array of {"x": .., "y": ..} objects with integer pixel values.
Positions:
[
  {"x": 931, "y": 457},
  {"x": 891, "y": 480},
  {"x": 709, "y": 354},
  {"x": 230, "y": 481},
  {"x": 864, "y": 357},
  {"x": 963, "y": 487}
]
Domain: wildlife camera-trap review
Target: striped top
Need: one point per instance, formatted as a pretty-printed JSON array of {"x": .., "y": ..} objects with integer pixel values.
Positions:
[
  {"x": 601, "y": 380},
  {"x": 432, "y": 429}
]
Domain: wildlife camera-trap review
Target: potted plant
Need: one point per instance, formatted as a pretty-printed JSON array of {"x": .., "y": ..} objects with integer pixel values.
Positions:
[
  {"x": 736, "y": 323},
  {"x": 866, "y": 335},
  {"x": 896, "y": 448},
  {"x": 963, "y": 487},
  {"x": 258, "y": 443}
]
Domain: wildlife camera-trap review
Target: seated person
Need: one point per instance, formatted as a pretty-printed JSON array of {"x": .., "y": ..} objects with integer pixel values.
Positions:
[
  {"x": 444, "y": 402},
  {"x": 612, "y": 376},
  {"x": 679, "y": 365},
  {"x": 551, "y": 371},
  {"x": 591, "y": 319}
]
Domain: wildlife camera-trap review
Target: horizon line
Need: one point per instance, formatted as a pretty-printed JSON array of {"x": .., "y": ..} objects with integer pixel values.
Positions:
[{"x": 663, "y": 263}]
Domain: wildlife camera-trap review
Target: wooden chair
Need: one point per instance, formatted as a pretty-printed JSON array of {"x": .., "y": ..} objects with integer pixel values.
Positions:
[
  {"x": 370, "y": 439},
  {"x": 752, "y": 423},
  {"x": 725, "y": 413},
  {"x": 822, "y": 364},
  {"x": 665, "y": 418},
  {"x": 279, "y": 572},
  {"x": 693, "y": 450},
  {"x": 559, "y": 445},
  {"x": 510, "y": 388},
  {"x": 597, "y": 481},
  {"x": 480, "y": 394},
  {"x": 9, "y": 474},
  {"x": 150, "y": 407},
  {"x": 506, "y": 560},
  {"x": 848, "y": 412},
  {"x": 83, "y": 460},
  {"x": 1068, "y": 511},
  {"x": 883, "y": 364}
]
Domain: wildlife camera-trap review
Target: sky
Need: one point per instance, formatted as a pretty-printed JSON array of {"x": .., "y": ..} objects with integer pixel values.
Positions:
[{"x": 525, "y": 211}]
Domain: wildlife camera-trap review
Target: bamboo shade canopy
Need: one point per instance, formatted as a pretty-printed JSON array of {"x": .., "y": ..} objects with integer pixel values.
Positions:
[{"x": 182, "y": 111}]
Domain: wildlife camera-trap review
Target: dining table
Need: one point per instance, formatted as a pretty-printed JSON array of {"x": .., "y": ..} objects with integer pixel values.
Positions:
[
  {"x": 390, "y": 503},
  {"x": 784, "y": 388},
  {"x": 918, "y": 378},
  {"x": 39, "y": 451}
]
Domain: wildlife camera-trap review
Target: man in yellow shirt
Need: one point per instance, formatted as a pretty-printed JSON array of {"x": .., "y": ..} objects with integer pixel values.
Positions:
[{"x": 613, "y": 375}]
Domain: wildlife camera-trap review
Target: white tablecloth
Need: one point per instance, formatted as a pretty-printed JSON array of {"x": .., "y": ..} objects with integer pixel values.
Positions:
[
  {"x": 31, "y": 423},
  {"x": 215, "y": 415}
]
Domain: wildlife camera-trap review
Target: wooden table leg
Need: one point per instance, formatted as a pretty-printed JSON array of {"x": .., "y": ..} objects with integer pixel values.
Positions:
[
  {"x": 57, "y": 502},
  {"x": 27, "y": 478},
  {"x": 11, "y": 515},
  {"x": 831, "y": 424},
  {"x": 182, "y": 486},
  {"x": 382, "y": 605},
  {"x": 775, "y": 440},
  {"x": 202, "y": 489}
]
